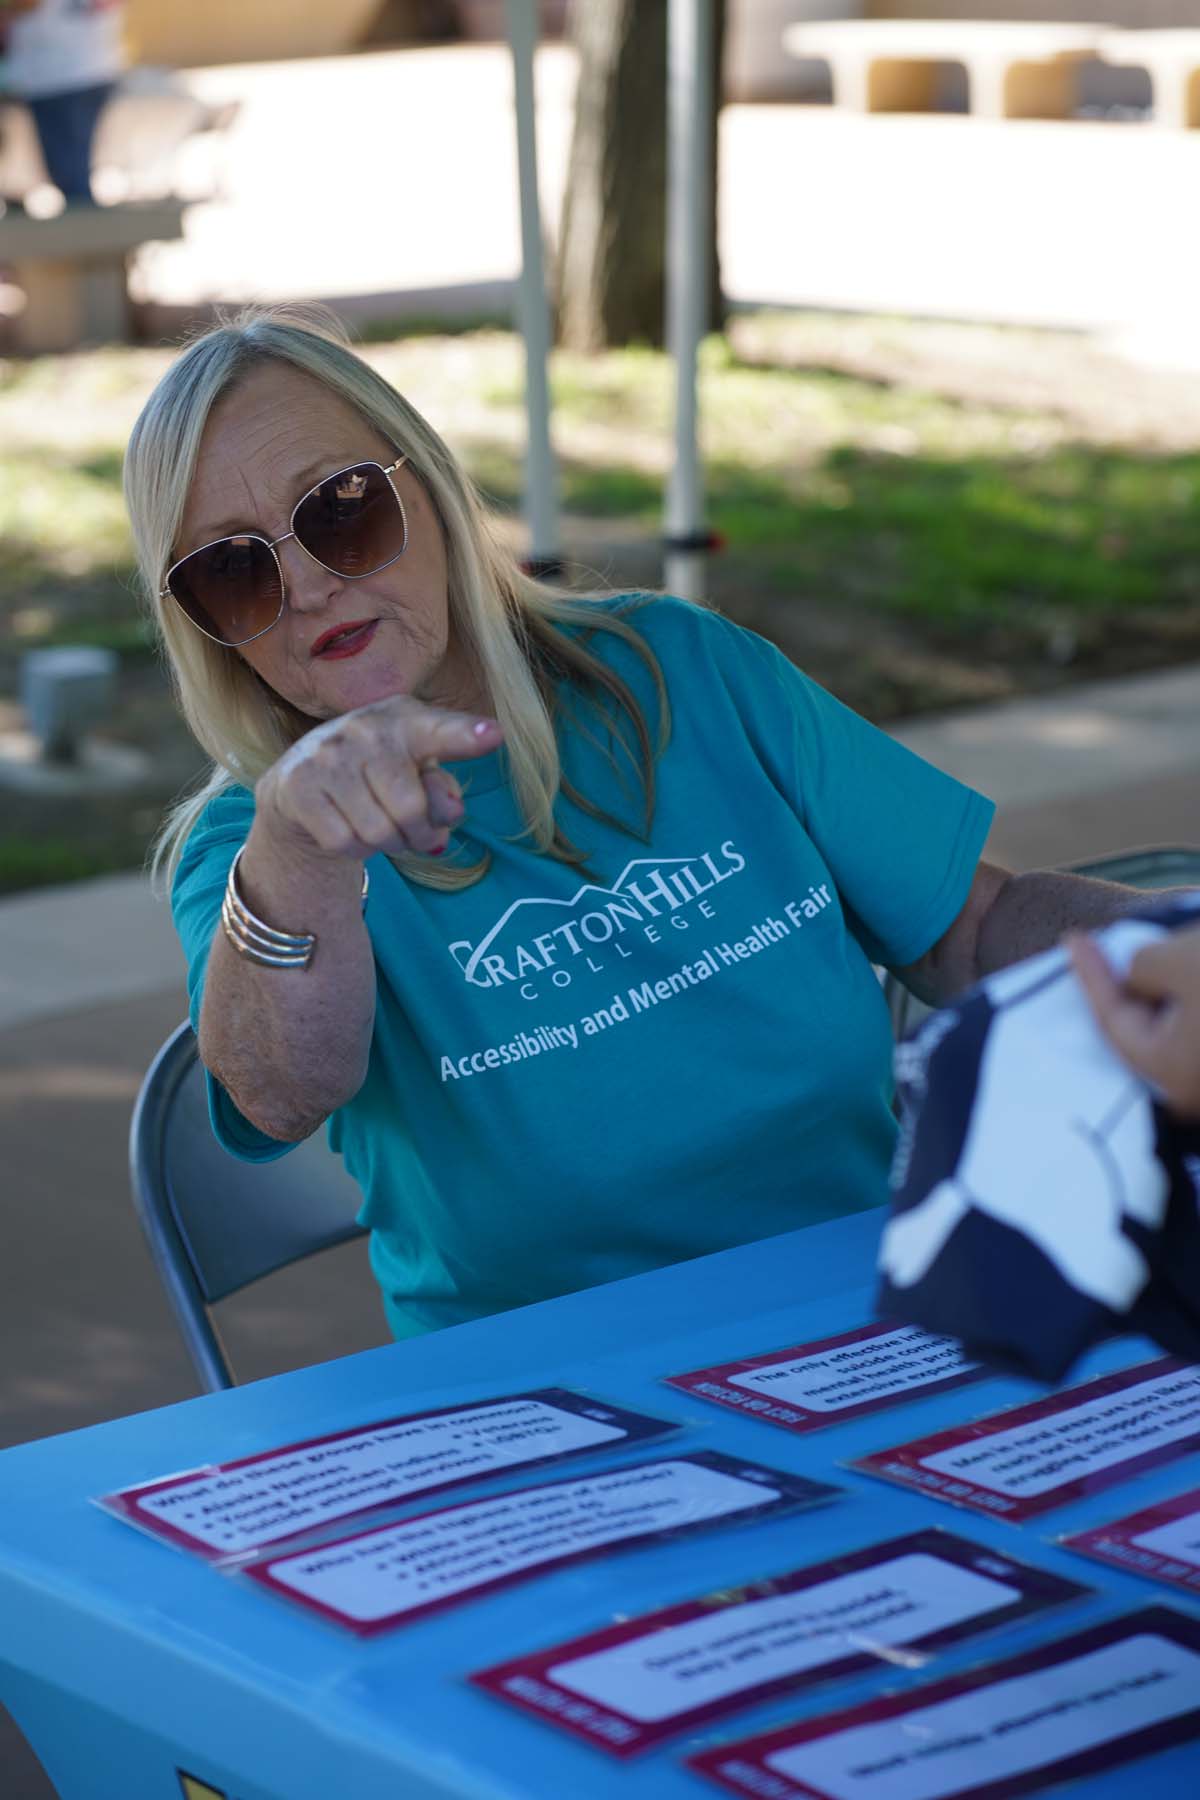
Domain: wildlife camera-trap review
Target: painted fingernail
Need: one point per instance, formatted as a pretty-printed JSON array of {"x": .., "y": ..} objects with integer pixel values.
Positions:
[
  {"x": 438, "y": 850},
  {"x": 481, "y": 727}
]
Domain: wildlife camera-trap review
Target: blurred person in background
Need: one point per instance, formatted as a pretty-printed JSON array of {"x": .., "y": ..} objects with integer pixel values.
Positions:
[
  {"x": 542, "y": 1063},
  {"x": 62, "y": 58}
]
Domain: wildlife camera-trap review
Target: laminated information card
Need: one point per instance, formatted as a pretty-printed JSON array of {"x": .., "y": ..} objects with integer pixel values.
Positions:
[
  {"x": 1028, "y": 1458},
  {"x": 836, "y": 1378},
  {"x": 396, "y": 1573},
  {"x": 1076, "y": 1707},
  {"x": 1162, "y": 1541},
  {"x": 632, "y": 1684},
  {"x": 232, "y": 1510}
]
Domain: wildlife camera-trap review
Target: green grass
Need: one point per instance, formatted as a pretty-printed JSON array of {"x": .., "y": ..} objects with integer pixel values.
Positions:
[
  {"x": 898, "y": 499},
  {"x": 1082, "y": 529},
  {"x": 130, "y": 636},
  {"x": 425, "y": 325},
  {"x": 62, "y": 511},
  {"x": 976, "y": 531},
  {"x": 826, "y": 485},
  {"x": 27, "y": 862}
]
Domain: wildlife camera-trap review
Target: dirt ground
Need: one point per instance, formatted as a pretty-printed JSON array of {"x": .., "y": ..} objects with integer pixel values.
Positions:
[{"x": 889, "y": 667}]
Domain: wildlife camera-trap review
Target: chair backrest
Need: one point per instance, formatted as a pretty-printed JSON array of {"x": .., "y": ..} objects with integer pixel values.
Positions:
[
  {"x": 1174, "y": 865},
  {"x": 213, "y": 1223}
]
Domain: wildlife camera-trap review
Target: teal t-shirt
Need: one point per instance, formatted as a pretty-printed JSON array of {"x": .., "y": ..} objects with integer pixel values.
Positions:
[{"x": 574, "y": 1078}]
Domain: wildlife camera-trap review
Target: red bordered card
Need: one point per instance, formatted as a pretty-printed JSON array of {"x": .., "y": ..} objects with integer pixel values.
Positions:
[
  {"x": 232, "y": 1510},
  {"x": 1162, "y": 1541},
  {"x": 389, "y": 1576},
  {"x": 1029, "y": 1458},
  {"x": 833, "y": 1379},
  {"x": 630, "y": 1685},
  {"x": 1076, "y": 1707}
]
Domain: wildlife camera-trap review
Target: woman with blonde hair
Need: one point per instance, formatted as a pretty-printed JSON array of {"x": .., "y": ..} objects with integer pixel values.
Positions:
[{"x": 561, "y": 911}]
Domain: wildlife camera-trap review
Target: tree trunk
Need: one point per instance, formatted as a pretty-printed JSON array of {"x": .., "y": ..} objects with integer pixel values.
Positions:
[{"x": 611, "y": 259}]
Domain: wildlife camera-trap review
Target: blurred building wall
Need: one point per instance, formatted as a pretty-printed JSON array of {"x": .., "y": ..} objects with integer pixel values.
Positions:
[{"x": 230, "y": 31}]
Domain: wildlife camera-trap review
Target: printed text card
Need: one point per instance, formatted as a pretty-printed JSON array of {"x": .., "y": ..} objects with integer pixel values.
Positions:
[
  {"x": 630, "y": 1685},
  {"x": 397, "y": 1573},
  {"x": 1029, "y": 1458},
  {"x": 231, "y": 1510},
  {"x": 810, "y": 1385},
  {"x": 1072, "y": 1708}
]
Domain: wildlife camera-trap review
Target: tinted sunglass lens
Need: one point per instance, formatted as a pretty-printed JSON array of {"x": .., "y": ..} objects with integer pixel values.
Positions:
[
  {"x": 230, "y": 589},
  {"x": 353, "y": 523}
]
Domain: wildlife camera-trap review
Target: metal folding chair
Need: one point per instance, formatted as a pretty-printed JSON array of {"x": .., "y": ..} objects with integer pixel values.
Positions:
[
  {"x": 1174, "y": 865},
  {"x": 215, "y": 1224}
]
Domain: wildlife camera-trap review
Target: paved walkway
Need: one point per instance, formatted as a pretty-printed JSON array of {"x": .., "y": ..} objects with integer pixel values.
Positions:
[
  {"x": 939, "y": 216},
  {"x": 1082, "y": 772}
]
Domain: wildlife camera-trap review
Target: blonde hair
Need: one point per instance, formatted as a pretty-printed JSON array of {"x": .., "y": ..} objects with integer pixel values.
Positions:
[{"x": 509, "y": 625}]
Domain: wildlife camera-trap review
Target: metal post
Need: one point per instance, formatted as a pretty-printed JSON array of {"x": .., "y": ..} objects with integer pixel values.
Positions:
[
  {"x": 689, "y": 108},
  {"x": 533, "y": 312}
]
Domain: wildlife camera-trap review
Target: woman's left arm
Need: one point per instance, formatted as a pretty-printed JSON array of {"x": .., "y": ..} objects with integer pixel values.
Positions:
[{"x": 1007, "y": 917}]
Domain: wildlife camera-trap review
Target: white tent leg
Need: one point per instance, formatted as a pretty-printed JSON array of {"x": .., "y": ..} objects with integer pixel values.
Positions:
[
  {"x": 689, "y": 121},
  {"x": 533, "y": 312}
]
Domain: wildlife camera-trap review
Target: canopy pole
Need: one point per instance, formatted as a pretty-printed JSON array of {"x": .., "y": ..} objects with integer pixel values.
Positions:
[
  {"x": 689, "y": 252},
  {"x": 533, "y": 311}
]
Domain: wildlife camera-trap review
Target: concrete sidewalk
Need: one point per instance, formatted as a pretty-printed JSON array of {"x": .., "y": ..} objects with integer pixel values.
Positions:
[
  {"x": 1076, "y": 774},
  {"x": 930, "y": 215}
]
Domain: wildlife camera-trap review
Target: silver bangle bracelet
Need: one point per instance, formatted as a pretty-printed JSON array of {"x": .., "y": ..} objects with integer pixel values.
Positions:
[{"x": 259, "y": 942}]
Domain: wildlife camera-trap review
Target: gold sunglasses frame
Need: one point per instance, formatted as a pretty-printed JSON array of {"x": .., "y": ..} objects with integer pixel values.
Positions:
[{"x": 165, "y": 592}]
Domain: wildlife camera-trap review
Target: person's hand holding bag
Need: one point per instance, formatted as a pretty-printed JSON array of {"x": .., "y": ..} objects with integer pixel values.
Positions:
[{"x": 1152, "y": 1017}]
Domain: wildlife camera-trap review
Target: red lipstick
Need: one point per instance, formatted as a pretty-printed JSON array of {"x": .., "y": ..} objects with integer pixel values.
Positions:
[{"x": 345, "y": 640}]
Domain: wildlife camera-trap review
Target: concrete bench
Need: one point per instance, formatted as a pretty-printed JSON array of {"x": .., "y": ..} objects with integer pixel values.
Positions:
[
  {"x": 1172, "y": 60},
  {"x": 1014, "y": 70},
  {"x": 72, "y": 270}
]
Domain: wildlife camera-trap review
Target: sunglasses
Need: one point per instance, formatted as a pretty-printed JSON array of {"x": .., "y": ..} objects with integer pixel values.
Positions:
[{"x": 351, "y": 523}]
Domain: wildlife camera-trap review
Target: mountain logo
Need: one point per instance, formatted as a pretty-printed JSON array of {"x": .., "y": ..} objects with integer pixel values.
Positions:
[{"x": 648, "y": 889}]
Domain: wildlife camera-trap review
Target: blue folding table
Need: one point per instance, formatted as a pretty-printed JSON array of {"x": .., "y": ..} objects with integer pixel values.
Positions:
[{"x": 125, "y": 1661}]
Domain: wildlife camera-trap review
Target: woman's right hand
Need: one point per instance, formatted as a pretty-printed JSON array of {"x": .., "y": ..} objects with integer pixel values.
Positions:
[{"x": 370, "y": 780}]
